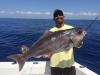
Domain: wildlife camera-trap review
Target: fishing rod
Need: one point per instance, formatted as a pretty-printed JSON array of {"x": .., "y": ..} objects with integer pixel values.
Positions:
[{"x": 90, "y": 25}]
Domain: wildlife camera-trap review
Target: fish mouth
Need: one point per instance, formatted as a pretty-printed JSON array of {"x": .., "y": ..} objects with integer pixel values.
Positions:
[{"x": 79, "y": 44}]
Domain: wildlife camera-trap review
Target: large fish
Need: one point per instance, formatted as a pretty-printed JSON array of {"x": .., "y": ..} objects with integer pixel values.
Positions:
[{"x": 51, "y": 42}]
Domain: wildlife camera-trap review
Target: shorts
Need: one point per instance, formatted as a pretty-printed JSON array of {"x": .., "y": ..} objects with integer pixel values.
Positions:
[{"x": 63, "y": 71}]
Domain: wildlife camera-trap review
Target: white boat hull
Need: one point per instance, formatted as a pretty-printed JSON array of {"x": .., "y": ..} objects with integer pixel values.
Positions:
[{"x": 37, "y": 68}]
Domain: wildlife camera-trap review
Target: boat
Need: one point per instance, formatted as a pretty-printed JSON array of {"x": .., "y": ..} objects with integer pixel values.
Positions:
[{"x": 37, "y": 68}]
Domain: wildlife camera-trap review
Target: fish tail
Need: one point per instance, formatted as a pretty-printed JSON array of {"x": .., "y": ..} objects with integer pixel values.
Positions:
[{"x": 18, "y": 58}]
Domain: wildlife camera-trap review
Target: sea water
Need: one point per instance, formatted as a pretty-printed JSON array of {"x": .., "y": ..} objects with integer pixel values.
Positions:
[{"x": 17, "y": 32}]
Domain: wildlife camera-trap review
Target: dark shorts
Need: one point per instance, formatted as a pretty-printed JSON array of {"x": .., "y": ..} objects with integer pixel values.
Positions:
[{"x": 63, "y": 71}]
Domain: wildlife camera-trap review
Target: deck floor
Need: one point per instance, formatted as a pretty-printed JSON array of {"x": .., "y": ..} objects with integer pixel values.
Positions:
[{"x": 42, "y": 68}]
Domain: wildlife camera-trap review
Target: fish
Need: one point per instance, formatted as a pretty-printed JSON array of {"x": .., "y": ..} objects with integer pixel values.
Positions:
[{"x": 51, "y": 42}]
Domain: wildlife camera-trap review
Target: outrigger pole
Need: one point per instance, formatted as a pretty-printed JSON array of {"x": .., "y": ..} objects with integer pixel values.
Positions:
[{"x": 90, "y": 25}]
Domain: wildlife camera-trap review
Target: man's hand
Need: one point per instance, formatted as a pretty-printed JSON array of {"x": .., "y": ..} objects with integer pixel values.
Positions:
[{"x": 48, "y": 55}]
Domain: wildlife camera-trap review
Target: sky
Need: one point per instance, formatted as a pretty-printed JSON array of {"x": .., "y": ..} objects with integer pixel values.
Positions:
[{"x": 43, "y": 9}]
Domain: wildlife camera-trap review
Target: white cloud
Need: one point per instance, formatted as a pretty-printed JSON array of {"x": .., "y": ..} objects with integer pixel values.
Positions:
[
  {"x": 68, "y": 13},
  {"x": 2, "y": 12},
  {"x": 46, "y": 14},
  {"x": 81, "y": 14},
  {"x": 32, "y": 13},
  {"x": 88, "y": 14},
  {"x": 6, "y": 12},
  {"x": 21, "y": 12}
]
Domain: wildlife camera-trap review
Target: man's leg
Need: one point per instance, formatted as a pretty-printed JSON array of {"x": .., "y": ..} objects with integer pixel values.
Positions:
[
  {"x": 69, "y": 71},
  {"x": 56, "y": 71}
]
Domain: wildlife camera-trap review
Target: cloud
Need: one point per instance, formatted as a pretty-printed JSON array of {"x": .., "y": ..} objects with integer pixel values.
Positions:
[
  {"x": 2, "y": 12},
  {"x": 25, "y": 12},
  {"x": 69, "y": 13},
  {"x": 46, "y": 14},
  {"x": 6, "y": 12},
  {"x": 88, "y": 14},
  {"x": 81, "y": 13},
  {"x": 32, "y": 13}
]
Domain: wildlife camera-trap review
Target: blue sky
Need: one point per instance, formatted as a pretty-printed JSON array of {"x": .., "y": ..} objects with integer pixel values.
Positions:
[{"x": 73, "y": 9}]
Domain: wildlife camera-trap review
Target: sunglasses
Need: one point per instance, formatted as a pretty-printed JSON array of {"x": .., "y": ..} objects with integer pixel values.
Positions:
[{"x": 59, "y": 17}]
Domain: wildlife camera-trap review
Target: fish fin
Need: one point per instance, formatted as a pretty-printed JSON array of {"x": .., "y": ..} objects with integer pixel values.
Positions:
[
  {"x": 18, "y": 58},
  {"x": 24, "y": 49},
  {"x": 46, "y": 34}
]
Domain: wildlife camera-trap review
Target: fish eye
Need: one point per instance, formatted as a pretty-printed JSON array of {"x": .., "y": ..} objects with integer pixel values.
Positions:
[{"x": 79, "y": 31}]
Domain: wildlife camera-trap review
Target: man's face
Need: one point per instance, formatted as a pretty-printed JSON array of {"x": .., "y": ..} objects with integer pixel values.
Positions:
[{"x": 59, "y": 19}]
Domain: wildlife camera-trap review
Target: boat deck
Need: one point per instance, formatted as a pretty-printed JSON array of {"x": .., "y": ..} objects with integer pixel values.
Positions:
[{"x": 37, "y": 68}]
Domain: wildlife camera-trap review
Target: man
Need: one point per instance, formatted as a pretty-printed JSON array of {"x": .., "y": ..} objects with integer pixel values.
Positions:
[{"x": 61, "y": 63}]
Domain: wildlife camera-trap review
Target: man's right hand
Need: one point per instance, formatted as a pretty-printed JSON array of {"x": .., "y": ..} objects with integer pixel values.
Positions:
[{"x": 48, "y": 55}]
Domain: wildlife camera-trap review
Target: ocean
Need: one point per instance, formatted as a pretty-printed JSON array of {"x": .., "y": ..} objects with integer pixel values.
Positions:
[{"x": 17, "y": 32}]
